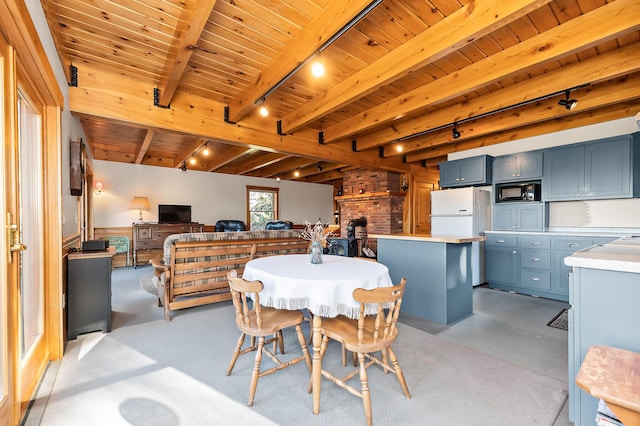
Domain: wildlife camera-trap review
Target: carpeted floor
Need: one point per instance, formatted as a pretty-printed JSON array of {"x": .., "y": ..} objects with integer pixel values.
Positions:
[
  {"x": 159, "y": 373},
  {"x": 560, "y": 321}
]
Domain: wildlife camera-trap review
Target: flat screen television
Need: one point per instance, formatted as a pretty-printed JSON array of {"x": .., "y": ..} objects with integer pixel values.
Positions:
[{"x": 172, "y": 213}]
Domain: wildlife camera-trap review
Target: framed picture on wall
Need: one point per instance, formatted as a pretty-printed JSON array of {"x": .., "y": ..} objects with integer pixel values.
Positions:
[{"x": 76, "y": 167}]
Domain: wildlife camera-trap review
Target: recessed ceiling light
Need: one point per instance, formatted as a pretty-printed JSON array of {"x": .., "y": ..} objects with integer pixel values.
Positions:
[{"x": 317, "y": 69}]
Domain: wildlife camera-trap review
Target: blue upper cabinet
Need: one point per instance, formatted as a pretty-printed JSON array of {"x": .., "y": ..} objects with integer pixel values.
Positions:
[
  {"x": 595, "y": 170},
  {"x": 473, "y": 171},
  {"x": 517, "y": 167}
]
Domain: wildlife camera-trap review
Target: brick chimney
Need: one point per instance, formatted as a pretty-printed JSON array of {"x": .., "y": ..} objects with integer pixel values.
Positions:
[{"x": 375, "y": 195}]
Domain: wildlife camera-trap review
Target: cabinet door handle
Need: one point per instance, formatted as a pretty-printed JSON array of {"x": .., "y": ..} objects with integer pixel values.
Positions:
[
  {"x": 535, "y": 259},
  {"x": 572, "y": 245},
  {"x": 514, "y": 252},
  {"x": 534, "y": 279},
  {"x": 535, "y": 243},
  {"x": 500, "y": 241},
  {"x": 461, "y": 178}
]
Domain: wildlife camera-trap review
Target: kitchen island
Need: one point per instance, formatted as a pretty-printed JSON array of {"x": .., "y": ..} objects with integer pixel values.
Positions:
[
  {"x": 604, "y": 293},
  {"x": 438, "y": 272}
]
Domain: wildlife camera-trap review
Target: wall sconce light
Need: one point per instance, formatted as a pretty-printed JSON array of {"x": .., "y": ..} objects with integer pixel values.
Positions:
[
  {"x": 140, "y": 203},
  {"x": 454, "y": 132},
  {"x": 404, "y": 185},
  {"x": 336, "y": 217},
  {"x": 99, "y": 187},
  {"x": 568, "y": 103}
]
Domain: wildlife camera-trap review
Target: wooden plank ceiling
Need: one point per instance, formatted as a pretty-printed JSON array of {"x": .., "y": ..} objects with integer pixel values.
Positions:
[{"x": 161, "y": 81}]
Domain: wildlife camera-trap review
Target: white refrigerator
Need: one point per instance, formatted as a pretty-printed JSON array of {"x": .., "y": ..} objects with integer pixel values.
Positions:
[{"x": 463, "y": 212}]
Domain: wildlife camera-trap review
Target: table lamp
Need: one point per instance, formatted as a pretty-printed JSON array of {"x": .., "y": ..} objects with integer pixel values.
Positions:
[{"x": 140, "y": 203}]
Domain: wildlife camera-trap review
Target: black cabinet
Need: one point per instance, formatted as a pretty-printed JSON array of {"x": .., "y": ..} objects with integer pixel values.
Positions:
[{"x": 89, "y": 292}]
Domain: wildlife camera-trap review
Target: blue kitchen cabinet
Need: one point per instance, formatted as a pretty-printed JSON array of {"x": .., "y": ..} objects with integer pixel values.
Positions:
[
  {"x": 594, "y": 170},
  {"x": 473, "y": 171},
  {"x": 563, "y": 247},
  {"x": 604, "y": 311},
  {"x": 519, "y": 216},
  {"x": 517, "y": 167},
  {"x": 502, "y": 260}
]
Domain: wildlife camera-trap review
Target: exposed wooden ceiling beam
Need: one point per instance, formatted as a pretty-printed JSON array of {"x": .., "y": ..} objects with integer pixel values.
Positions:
[
  {"x": 459, "y": 29},
  {"x": 586, "y": 118},
  {"x": 112, "y": 96},
  {"x": 601, "y": 24},
  {"x": 620, "y": 91},
  {"x": 224, "y": 155},
  {"x": 283, "y": 167},
  {"x": 329, "y": 21},
  {"x": 185, "y": 39},
  {"x": 148, "y": 137},
  {"x": 603, "y": 67},
  {"x": 258, "y": 159}
]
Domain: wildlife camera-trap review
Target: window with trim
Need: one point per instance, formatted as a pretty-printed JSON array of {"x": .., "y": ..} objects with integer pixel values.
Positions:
[{"x": 262, "y": 206}]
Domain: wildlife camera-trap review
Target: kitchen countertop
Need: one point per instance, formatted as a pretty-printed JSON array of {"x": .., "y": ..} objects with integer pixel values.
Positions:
[
  {"x": 622, "y": 255},
  {"x": 452, "y": 239},
  {"x": 577, "y": 232}
]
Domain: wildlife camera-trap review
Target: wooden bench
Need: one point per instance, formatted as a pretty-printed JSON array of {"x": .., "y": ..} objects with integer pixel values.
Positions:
[{"x": 196, "y": 272}]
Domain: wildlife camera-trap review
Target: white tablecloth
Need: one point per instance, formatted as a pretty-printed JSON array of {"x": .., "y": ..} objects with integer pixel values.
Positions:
[{"x": 293, "y": 282}]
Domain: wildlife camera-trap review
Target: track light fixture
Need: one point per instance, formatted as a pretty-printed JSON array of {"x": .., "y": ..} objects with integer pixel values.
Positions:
[
  {"x": 183, "y": 167},
  {"x": 454, "y": 132},
  {"x": 278, "y": 177},
  {"x": 320, "y": 49},
  {"x": 568, "y": 103},
  {"x": 319, "y": 167}
]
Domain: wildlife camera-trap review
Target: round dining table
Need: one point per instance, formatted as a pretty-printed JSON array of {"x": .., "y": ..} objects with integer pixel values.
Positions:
[{"x": 326, "y": 290}]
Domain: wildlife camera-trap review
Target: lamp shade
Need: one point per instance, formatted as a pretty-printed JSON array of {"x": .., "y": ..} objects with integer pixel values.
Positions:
[{"x": 140, "y": 203}]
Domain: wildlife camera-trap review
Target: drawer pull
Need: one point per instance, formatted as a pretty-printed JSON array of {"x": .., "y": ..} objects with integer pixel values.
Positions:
[
  {"x": 500, "y": 241},
  {"x": 535, "y": 243},
  {"x": 535, "y": 279},
  {"x": 535, "y": 259},
  {"x": 572, "y": 245},
  {"x": 514, "y": 252}
]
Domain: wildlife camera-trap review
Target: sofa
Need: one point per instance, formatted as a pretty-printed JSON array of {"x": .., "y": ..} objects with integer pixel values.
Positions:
[
  {"x": 228, "y": 225},
  {"x": 194, "y": 266}
]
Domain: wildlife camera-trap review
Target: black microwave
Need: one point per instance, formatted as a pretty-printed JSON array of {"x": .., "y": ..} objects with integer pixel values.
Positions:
[{"x": 518, "y": 192}]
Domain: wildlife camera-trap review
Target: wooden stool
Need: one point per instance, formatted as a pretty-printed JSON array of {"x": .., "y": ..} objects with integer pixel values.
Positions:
[{"x": 612, "y": 375}]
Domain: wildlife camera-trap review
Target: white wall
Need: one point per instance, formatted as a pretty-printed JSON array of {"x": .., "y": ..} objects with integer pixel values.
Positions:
[
  {"x": 212, "y": 196},
  {"x": 71, "y": 128},
  {"x": 567, "y": 214}
]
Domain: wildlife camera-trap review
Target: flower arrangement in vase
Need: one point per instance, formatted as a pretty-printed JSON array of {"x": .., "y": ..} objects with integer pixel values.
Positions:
[{"x": 317, "y": 234}]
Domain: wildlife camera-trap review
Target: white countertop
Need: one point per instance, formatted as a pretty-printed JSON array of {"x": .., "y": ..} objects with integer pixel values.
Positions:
[
  {"x": 620, "y": 255},
  {"x": 576, "y": 232},
  {"x": 451, "y": 239}
]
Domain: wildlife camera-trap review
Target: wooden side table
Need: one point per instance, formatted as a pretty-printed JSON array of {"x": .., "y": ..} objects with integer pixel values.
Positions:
[{"x": 613, "y": 375}]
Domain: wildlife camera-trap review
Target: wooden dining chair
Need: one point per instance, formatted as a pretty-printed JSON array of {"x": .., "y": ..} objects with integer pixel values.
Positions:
[
  {"x": 365, "y": 336},
  {"x": 262, "y": 322}
]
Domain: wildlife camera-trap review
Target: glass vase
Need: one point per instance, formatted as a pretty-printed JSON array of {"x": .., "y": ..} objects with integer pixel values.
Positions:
[{"x": 316, "y": 252}]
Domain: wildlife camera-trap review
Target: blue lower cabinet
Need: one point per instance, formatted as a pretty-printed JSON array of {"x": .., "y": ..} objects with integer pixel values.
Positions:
[{"x": 439, "y": 286}]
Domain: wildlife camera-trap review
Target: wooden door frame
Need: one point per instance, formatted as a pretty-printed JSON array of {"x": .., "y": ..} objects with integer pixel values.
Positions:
[{"x": 32, "y": 65}]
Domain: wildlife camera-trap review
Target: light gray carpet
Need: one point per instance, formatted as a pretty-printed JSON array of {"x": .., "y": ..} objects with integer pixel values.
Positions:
[
  {"x": 148, "y": 284},
  {"x": 159, "y": 373}
]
